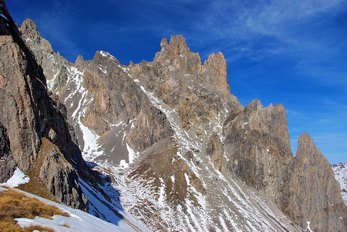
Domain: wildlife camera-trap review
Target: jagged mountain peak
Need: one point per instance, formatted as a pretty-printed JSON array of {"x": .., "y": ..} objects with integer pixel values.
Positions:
[
  {"x": 100, "y": 55},
  {"x": 29, "y": 28},
  {"x": 31, "y": 34},
  {"x": 216, "y": 62},
  {"x": 254, "y": 105},
  {"x": 177, "y": 46},
  {"x": 309, "y": 187},
  {"x": 177, "y": 56},
  {"x": 79, "y": 60},
  {"x": 307, "y": 150}
]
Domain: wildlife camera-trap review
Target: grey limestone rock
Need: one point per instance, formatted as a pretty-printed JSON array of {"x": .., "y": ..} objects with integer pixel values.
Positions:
[
  {"x": 309, "y": 191},
  {"x": 257, "y": 144},
  {"x": 60, "y": 176}
]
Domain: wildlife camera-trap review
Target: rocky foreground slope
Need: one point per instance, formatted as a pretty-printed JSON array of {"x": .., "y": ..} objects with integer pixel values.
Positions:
[{"x": 181, "y": 150}]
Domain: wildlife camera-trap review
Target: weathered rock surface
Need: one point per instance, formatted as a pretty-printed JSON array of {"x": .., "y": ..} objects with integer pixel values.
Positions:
[
  {"x": 60, "y": 176},
  {"x": 7, "y": 163},
  {"x": 197, "y": 92},
  {"x": 117, "y": 98},
  {"x": 44, "y": 53},
  {"x": 258, "y": 149},
  {"x": 257, "y": 145},
  {"x": 28, "y": 114},
  {"x": 310, "y": 192}
]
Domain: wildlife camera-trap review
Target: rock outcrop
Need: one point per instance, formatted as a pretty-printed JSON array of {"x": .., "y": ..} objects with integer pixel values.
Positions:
[
  {"x": 117, "y": 98},
  {"x": 7, "y": 163},
  {"x": 304, "y": 187},
  {"x": 54, "y": 166},
  {"x": 309, "y": 191},
  {"x": 257, "y": 145},
  {"x": 28, "y": 116}
]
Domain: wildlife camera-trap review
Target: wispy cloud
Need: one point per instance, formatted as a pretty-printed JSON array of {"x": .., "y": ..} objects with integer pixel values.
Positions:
[
  {"x": 307, "y": 34},
  {"x": 290, "y": 28}
]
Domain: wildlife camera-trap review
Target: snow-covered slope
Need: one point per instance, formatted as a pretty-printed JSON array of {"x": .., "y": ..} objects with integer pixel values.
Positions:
[
  {"x": 340, "y": 170},
  {"x": 78, "y": 220},
  {"x": 105, "y": 207}
]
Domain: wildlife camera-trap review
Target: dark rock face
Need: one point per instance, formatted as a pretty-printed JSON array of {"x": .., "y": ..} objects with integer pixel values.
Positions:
[
  {"x": 28, "y": 114},
  {"x": 7, "y": 163},
  {"x": 60, "y": 176},
  {"x": 310, "y": 192}
]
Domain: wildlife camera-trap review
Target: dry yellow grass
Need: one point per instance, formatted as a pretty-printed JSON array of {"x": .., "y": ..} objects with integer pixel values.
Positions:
[
  {"x": 13, "y": 227},
  {"x": 37, "y": 228},
  {"x": 14, "y": 204}
]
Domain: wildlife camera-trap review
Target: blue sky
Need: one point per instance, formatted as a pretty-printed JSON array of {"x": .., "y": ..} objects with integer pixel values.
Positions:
[{"x": 278, "y": 51}]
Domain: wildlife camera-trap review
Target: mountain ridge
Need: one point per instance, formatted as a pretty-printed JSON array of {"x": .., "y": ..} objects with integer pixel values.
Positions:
[
  {"x": 182, "y": 150},
  {"x": 198, "y": 117}
]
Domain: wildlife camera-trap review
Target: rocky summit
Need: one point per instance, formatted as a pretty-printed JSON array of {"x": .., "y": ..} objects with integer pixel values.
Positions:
[{"x": 173, "y": 149}]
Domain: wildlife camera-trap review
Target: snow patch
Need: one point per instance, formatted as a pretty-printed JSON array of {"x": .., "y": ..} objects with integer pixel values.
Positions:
[
  {"x": 17, "y": 179},
  {"x": 123, "y": 164},
  {"x": 180, "y": 134},
  {"x": 102, "y": 70},
  {"x": 79, "y": 220},
  {"x": 308, "y": 227},
  {"x": 104, "y": 53},
  {"x": 340, "y": 171},
  {"x": 132, "y": 155}
]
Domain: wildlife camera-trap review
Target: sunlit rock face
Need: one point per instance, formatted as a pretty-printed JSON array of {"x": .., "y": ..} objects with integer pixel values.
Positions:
[{"x": 310, "y": 187}]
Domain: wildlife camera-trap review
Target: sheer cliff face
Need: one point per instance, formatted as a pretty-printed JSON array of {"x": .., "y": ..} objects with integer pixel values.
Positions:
[
  {"x": 309, "y": 191},
  {"x": 257, "y": 145},
  {"x": 182, "y": 151},
  {"x": 199, "y": 93},
  {"x": 28, "y": 115}
]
